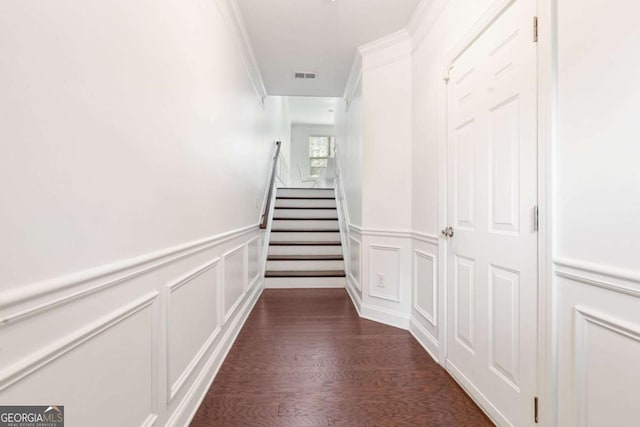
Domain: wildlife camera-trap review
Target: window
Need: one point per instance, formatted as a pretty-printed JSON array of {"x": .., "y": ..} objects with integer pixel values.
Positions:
[{"x": 321, "y": 148}]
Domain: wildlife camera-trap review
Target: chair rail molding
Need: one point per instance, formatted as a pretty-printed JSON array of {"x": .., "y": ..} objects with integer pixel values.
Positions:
[{"x": 159, "y": 259}]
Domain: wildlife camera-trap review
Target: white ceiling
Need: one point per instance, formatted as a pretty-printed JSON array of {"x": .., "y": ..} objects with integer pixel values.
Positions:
[
  {"x": 316, "y": 36},
  {"x": 312, "y": 110}
]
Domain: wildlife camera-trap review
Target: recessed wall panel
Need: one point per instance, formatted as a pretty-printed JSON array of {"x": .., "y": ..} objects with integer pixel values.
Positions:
[
  {"x": 234, "y": 278},
  {"x": 253, "y": 259},
  {"x": 504, "y": 322},
  {"x": 384, "y": 272},
  {"x": 192, "y": 320},
  {"x": 465, "y": 302},
  {"x": 425, "y": 288}
]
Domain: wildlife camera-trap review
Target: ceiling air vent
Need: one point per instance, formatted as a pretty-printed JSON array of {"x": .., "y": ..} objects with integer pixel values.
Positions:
[{"x": 303, "y": 75}]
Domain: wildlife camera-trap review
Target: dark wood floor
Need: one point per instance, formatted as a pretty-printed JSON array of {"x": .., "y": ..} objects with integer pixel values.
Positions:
[{"x": 305, "y": 358}]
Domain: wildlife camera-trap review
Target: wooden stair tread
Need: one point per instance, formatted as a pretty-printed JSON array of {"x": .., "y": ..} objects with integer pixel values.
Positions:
[
  {"x": 305, "y": 188},
  {"x": 306, "y": 243},
  {"x": 304, "y": 273},
  {"x": 305, "y": 207},
  {"x": 305, "y": 219},
  {"x": 305, "y": 258},
  {"x": 304, "y": 230},
  {"x": 303, "y": 198}
]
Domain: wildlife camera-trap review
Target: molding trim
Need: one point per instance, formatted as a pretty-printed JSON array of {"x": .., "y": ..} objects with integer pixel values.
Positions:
[
  {"x": 426, "y": 237},
  {"x": 187, "y": 408},
  {"x": 355, "y": 297},
  {"x": 386, "y": 232},
  {"x": 354, "y": 79},
  {"x": 174, "y": 388},
  {"x": 432, "y": 319},
  {"x": 44, "y": 357},
  {"x": 229, "y": 313},
  {"x": 424, "y": 18},
  {"x": 385, "y": 42},
  {"x": 480, "y": 399},
  {"x": 357, "y": 282},
  {"x": 424, "y": 338},
  {"x": 385, "y": 51},
  {"x": 150, "y": 421},
  {"x": 598, "y": 269},
  {"x": 582, "y": 317},
  {"x": 233, "y": 17},
  {"x": 251, "y": 280},
  {"x": 383, "y": 315},
  {"x": 163, "y": 257}
]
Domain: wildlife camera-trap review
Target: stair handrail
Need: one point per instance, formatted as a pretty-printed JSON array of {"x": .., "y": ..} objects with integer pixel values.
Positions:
[{"x": 267, "y": 206}]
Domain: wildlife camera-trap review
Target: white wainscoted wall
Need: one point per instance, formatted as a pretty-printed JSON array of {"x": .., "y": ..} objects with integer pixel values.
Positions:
[
  {"x": 135, "y": 161},
  {"x": 589, "y": 92},
  {"x": 596, "y": 212},
  {"x": 374, "y": 187}
]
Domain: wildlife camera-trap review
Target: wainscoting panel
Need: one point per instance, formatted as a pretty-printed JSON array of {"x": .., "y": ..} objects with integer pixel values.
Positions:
[
  {"x": 426, "y": 294},
  {"x": 235, "y": 280},
  {"x": 598, "y": 345},
  {"x": 193, "y": 323},
  {"x": 144, "y": 336},
  {"x": 254, "y": 259},
  {"x": 91, "y": 369},
  {"x": 384, "y": 272},
  {"x": 355, "y": 255},
  {"x": 425, "y": 290}
]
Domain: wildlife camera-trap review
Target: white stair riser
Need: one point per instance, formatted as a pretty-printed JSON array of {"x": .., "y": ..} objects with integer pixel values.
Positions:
[
  {"x": 305, "y": 237},
  {"x": 304, "y": 203},
  {"x": 305, "y": 213},
  {"x": 305, "y": 225},
  {"x": 305, "y": 265},
  {"x": 305, "y": 250},
  {"x": 296, "y": 192},
  {"x": 304, "y": 282}
]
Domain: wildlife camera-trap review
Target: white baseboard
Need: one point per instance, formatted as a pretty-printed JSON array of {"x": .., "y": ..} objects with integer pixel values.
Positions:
[
  {"x": 483, "y": 403},
  {"x": 382, "y": 315},
  {"x": 189, "y": 405},
  {"x": 426, "y": 340},
  {"x": 355, "y": 298}
]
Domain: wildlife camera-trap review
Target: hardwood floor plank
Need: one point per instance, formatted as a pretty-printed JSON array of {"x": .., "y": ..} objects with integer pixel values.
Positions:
[{"x": 305, "y": 358}]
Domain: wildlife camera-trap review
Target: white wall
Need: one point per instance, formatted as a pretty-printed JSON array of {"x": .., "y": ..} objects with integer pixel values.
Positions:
[
  {"x": 129, "y": 219},
  {"x": 349, "y": 152},
  {"x": 374, "y": 143},
  {"x": 300, "y": 134},
  {"x": 386, "y": 166},
  {"x": 597, "y": 206}
]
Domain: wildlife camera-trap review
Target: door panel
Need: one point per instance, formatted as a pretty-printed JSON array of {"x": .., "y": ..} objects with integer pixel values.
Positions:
[{"x": 492, "y": 256}]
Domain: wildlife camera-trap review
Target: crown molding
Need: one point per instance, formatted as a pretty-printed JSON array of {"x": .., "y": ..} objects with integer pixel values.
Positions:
[
  {"x": 355, "y": 75},
  {"x": 387, "y": 50},
  {"x": 423, "y": 20},
  {"x": 385, "y": 42},
  {"x": 233, "y": 18}
]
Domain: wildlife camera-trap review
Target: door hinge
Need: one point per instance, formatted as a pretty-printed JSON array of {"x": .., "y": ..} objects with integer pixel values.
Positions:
[
  {"x": 535, "y": 410},
  {"x": 536, "y": 218},
  {"x": 535, "y": 29}
]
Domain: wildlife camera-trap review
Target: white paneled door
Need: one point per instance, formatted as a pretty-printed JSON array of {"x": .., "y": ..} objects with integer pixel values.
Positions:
[{"x": 492, "y": 192}]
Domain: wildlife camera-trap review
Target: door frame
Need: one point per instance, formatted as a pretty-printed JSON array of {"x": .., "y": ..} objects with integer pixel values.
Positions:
[{"x": 546, "y": 99}]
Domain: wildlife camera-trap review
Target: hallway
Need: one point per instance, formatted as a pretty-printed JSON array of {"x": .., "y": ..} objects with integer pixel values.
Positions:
[{"x": 305, "y": 358}]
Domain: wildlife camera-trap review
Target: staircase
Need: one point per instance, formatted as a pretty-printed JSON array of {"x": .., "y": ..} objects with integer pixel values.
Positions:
[{"x": 304, "y": 247}]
